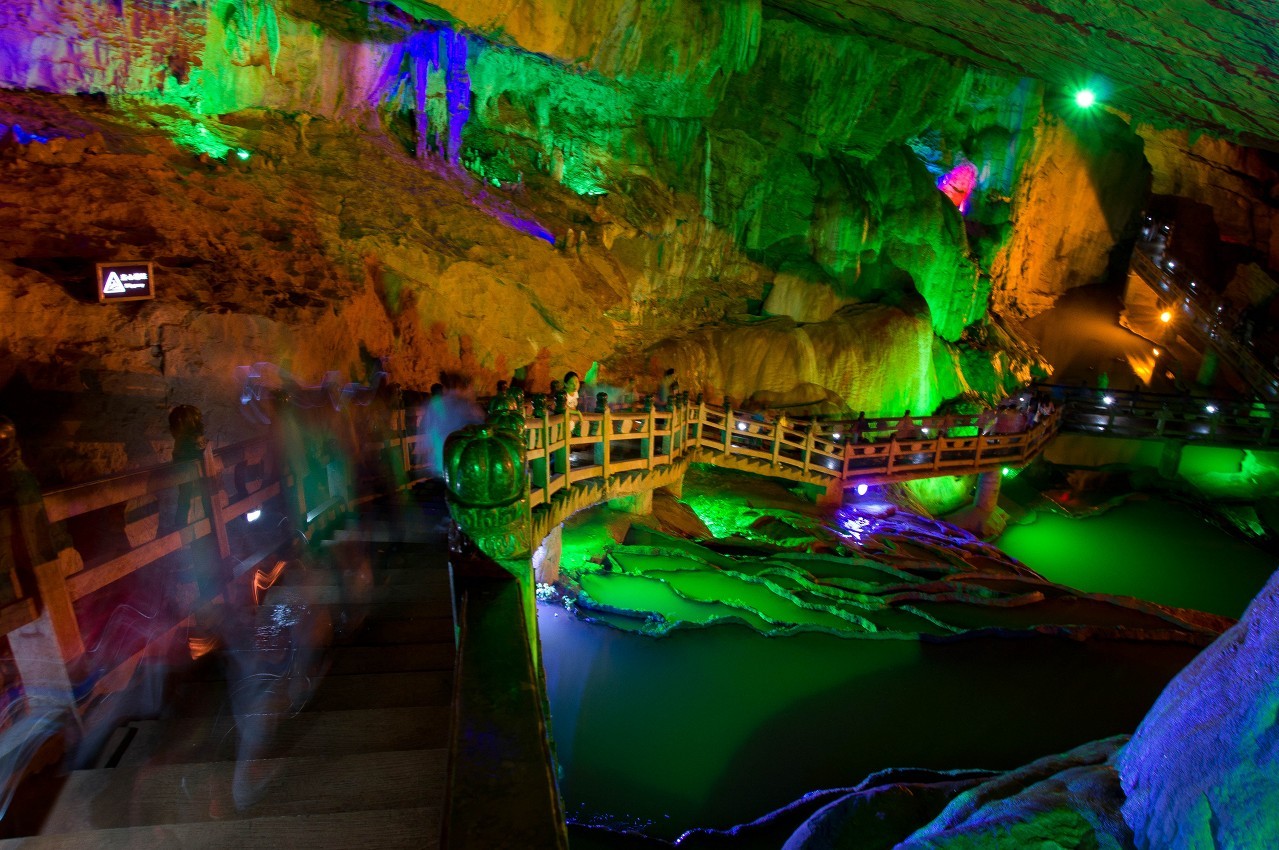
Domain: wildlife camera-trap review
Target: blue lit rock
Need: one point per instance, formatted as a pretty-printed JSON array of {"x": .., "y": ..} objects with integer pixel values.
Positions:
[
  {"x": 1202, "y": 770},
  {"x": 1065, "y": 802}
]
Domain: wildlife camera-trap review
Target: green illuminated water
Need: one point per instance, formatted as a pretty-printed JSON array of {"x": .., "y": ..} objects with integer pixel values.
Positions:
[
  {"x": 716, "y": 726},
  {"x": 1151, "y": 549}
]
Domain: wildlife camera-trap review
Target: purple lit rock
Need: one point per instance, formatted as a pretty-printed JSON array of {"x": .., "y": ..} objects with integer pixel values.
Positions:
[
  {"x": 1064, "y": 802},
  {"x": 1202, "y": 771}
]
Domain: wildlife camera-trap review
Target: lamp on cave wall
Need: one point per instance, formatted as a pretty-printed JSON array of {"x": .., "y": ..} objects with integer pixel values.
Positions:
[
  {"x": 958, "y": 184},
  {"x": 1085, "y": 98}
]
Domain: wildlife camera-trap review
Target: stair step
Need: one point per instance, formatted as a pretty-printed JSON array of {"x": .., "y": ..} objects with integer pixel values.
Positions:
[
  {"x": 428, "y": 575},
  {"x": 205, "y": 791},
  {"x": 334, "y": 693},
  {"x": 384, "y": 535},
  {"x": 372, "y": 830},
  {"x": 395, "y": 632},
  {"x": 404, "y": 658},
  {"x": 308, "y": 734},
  {"x": 342, "y": 660},
  {"x": 332, "y": 594}
]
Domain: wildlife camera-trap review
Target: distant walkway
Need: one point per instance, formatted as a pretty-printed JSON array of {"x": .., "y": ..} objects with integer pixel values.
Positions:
[
  {"x": 1132, "y": 413},
  {"x": 1176, "y": 289}
]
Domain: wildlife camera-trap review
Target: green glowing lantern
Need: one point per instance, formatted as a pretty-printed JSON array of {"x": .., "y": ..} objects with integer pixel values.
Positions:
[
  {"x": 484, "y": 466},
  {"x": 1085, "y": 98}
]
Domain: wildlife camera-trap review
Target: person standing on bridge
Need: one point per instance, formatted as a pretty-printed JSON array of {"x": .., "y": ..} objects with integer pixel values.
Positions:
[
  {"x": 905, "y": 431},
  {"x": 860, "y": 427},
  {"x": 572, "y": 391},
  {"x": 668, "y": 386}
]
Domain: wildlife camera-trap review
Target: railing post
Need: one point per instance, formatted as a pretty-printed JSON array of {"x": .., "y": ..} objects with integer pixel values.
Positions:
[
  {"x": 211, "y": 475},
  {"x": 701, "y": 417},
  {"x": 603, "y": 454},
  {"x": 650, "y": 426},
  {"x": 730, "y": 425},
  {"x": 540, "y": 466},
  {"x": 892, "y": 455},
  {"x": 406, "y": 452},
  {"x": 46, "y": 650},
  {"x": 810, "y": 437},
  {"x": 777, "y": 439}
]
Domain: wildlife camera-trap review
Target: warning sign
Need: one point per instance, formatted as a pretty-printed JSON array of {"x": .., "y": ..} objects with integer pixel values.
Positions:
[{"x": 125, "y": 282}]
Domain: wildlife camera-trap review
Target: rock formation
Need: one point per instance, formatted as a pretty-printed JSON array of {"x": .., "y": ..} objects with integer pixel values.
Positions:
[{"x": 1201, "y": 769}]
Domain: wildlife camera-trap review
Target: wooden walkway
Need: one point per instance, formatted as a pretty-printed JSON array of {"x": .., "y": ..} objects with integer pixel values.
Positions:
[
  {"x": 1178, "y": 418},
  {"x": 318, "y": 716},
  {"x": 616, "y": 453},
  {"x": 1169, "y": 281}
]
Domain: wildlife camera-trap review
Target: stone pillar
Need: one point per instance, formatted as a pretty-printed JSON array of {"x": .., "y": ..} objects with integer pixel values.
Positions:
[
  {"x": 676, "y": 488},
  {"x": 38, "y": 657},
  {"x": 1208, "y": 368},
  {"x": 1170, "y": 459},
  {"x": 640, "y": 504},
  {"x": 987, "y": 497},
  {"x": 833, "y": 496},
  {"x": 546, "y": 558}
]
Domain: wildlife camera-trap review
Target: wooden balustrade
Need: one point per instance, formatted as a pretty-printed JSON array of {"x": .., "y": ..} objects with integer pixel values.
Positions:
[
  {"x": 821, "y": 452},
  {"x": 218, "y": 490},
  {"x": 1135, "y": 414}
]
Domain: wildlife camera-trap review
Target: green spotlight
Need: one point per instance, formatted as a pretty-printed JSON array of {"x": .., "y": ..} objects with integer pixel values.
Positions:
[
  {"x": 242, "y": 154},
  {"x": 1085, "y": 98}
]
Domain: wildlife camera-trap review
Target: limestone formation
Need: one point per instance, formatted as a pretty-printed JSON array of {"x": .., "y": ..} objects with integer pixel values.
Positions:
[{"x": 1200, "y": 772}]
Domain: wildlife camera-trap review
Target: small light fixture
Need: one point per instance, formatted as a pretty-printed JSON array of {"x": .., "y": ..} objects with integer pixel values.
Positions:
[
  {"x": 1108, "y": 399},
  {"x": 1165, "y": 316},
  {"x": 1211, "y": 408},
  {"x": 1155, "y": 351},
  {"x": 1006, "y": 472},
  {"x": 861, "y": 489},
  {"x": 1085, "y": 98},
  {"x": 835, "y": 436},
  {"x": 242, "y": 153},
  {"x": 1171, "y": 265},
  {"x": 741, "y": 426},
  {"x": 253, "y": 516}
]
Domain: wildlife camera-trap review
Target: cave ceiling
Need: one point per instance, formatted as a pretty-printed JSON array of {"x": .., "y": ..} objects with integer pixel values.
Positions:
[
  {"x": 1187, "y": 64},
  {"x": 1198, "y": 64}
]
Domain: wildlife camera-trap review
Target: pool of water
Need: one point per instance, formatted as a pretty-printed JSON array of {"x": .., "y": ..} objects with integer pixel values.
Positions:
[
  {"x": 1152, "y": 549},
  {"x": 716, "y": 726}
]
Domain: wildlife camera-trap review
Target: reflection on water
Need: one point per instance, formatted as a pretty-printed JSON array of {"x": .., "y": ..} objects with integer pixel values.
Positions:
[
  {"x": 717, "y": 726},
  {"x": 1151, "y": 549}
]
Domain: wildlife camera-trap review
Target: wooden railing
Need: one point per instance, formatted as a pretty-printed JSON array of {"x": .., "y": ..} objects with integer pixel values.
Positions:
[
  {"x": 1128, "y": 413},
  {"x": 1184, "y": 300},
  {"x": 569, "y": 451},
  {"x": 115, "y": 528}
]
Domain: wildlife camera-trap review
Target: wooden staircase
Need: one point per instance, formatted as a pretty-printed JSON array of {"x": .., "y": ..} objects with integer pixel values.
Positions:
[{"x": 273, "y": 742}]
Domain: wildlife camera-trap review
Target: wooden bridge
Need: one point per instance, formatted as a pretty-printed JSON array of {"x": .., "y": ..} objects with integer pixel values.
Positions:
[{"x": 580, "y": 460}]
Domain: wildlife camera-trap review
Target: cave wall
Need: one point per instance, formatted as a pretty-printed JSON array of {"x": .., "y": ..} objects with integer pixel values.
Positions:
[
  {"x": 434, "y": 199},
  {"x": 1080, "y": 197},
  {"x": 1235, "y": 188}
]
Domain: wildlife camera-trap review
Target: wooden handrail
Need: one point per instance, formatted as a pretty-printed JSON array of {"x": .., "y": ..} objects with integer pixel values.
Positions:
[
  {"x": 821, "y": 452},
  {"x": 230, "y": 482}
]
